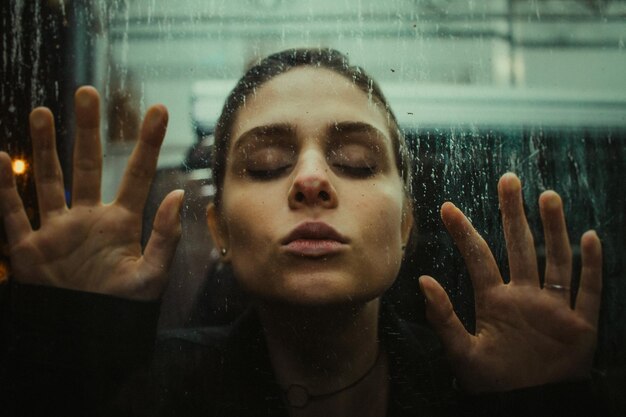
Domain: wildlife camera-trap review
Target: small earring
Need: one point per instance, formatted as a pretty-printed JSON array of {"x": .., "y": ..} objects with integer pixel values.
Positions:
[{"x": 223, "y": 251}]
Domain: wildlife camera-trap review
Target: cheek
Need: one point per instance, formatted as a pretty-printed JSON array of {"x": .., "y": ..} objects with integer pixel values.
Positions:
[
  {"x": 380, "y": 222},
  {"x": 246, "y": 243},
  {"x": 252, "y": 214},
  {"x": 381, "y": 214},
  {"x": 247, "y": 217}
]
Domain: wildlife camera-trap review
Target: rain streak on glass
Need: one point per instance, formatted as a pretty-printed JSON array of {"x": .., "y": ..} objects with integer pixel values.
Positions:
[{"x": 478, "y": 87}]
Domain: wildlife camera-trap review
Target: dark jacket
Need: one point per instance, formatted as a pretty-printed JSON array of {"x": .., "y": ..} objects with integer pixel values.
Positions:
[{"x": 73, "y": 353}]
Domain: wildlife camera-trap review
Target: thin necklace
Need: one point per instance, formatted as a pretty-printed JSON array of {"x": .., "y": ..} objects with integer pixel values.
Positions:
[{"x": 298, "y": 396}]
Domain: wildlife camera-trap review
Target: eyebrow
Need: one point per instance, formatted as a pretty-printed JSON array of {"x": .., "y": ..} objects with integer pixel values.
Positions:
[
  {"x": 276, "y": 132},
  {"x": 279, "y": 132},
  {"x": 355, "y": 127}
]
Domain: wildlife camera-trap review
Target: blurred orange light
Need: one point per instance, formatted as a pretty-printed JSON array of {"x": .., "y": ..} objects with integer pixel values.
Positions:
[
  {"x": 4, "y": 272},
  {"x": 19, "y": 166}
]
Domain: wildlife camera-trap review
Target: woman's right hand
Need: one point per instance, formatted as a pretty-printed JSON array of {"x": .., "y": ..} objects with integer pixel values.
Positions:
[{"x": 91, "y": 246}]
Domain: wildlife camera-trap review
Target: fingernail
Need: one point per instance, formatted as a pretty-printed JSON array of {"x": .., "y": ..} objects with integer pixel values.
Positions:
[
  {"x": 444, "y": 205},
  {"x": 38, "y": 118},
  {"x": 512, "y": 180},
  {"x": 552, "y": 200},
  {"x": 158, "y": 117},
  {"x": 553, "y": 203},
  {"x": 423, "y": 288},
  {"x": 84, "y": 99}
]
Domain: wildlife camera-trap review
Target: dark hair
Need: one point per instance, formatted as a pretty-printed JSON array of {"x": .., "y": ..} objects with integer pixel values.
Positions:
[{"x": 281, "y": 62}]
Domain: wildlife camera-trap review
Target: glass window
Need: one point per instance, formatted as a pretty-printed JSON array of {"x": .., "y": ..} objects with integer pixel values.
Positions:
[{"x": 478, "y": 87}]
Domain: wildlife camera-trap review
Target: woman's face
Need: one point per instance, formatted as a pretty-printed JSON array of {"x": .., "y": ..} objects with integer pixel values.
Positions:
[{"x": 312, "y": 205}]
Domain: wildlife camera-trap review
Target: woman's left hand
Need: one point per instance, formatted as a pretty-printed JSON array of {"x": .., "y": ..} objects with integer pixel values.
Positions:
[{"x": 525, "y": 335}]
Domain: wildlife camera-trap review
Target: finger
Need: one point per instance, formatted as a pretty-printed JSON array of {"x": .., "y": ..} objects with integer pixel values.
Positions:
[
  {"x": 558, "y": 249},
  {"x": 480, "y": 263},
  {"x": 441, "y": 315},
  {"x": 16, "y": 222},
  {"x": 590, "y": 289},
  {"x": 142, "y": 163},
  {"x": 164, "y": 238},
  {"x": 519, "y": 241},
  {"x": 48, "y": 174},
  {"x": 87, "y": 148}
]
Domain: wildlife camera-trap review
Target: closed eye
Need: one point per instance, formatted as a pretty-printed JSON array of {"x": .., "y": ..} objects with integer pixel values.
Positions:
[
  {"x": 365, "y": 171},
  {"x": 267, "y": 174}
]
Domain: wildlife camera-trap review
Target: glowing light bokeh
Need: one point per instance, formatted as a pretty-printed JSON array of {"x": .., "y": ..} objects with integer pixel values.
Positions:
[{"x": 19, "y": 166}]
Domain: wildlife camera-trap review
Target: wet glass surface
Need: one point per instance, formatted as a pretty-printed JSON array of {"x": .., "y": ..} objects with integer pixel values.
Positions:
[{"x": 480, "y": 88}]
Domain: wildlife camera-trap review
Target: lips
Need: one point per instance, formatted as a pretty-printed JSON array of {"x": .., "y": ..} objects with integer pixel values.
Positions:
[
  {"x": 314, "y": 231},
  {"x": 314, "y": 239}
]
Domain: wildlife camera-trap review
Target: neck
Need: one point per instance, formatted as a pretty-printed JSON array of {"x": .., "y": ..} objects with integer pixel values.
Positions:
[{"x": 321, "y": 348}]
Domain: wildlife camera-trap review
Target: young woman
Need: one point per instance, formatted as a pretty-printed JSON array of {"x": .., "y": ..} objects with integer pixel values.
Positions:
[{"x": 313, "y": 213}]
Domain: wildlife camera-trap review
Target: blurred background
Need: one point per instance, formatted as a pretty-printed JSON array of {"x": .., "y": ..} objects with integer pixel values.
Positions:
[{"x": 480, "y": 88}]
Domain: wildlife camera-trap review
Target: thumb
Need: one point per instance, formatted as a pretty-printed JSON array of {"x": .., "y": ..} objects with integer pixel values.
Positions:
[
  {"x": 439, "y": 312},
  {"x": 166, "y": 231}
]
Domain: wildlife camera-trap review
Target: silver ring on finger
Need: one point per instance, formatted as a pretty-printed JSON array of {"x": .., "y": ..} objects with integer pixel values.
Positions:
[{"x": 556, "y": 287}]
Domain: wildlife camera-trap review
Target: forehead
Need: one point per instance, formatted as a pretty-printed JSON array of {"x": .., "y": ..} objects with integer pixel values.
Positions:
[{"x": 309, "y": 99}]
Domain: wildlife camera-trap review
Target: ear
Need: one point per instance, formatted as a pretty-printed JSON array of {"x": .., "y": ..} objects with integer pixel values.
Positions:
[
  {"x": 218, "y": 231},
  {"x": 407, "y": 221}
]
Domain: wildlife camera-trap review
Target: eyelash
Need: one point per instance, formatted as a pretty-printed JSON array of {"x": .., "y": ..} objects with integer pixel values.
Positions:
[
  {"x": 356, "y": 172},
  {"x": 267, "y": 174},
  {"x": 350, "y": 171}
]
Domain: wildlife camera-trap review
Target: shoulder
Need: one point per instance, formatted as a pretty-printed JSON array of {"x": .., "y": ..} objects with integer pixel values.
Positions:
[
  {"x": 212, "y": 338},
  {"x": 418, "y": 338},
  {"x": 182, "y": 351},
  {"x": 420, "y": 376},
  {"x": 195, "y": 338},
  {"x": 213, "y": 349},
  {"x": 204, "y": 370},
  {"x": 416, "y": 346}
]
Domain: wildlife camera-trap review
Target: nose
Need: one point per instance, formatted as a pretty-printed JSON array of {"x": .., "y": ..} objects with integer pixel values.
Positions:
[{"x": 311, "y": 185}]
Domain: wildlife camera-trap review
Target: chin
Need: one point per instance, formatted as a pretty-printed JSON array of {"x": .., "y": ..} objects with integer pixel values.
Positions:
[{"x": 320, "y": 289}]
